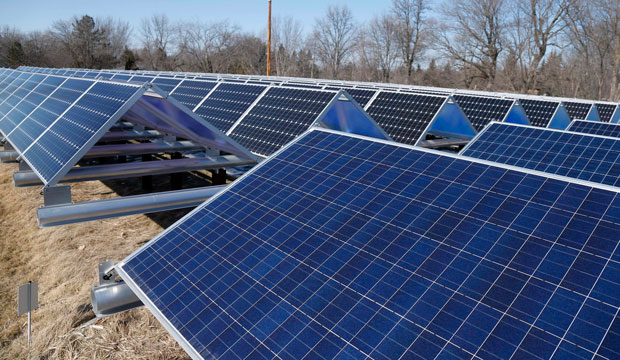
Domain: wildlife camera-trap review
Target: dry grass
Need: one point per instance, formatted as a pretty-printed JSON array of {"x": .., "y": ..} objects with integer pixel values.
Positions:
[{"x": 64, "y": 261}]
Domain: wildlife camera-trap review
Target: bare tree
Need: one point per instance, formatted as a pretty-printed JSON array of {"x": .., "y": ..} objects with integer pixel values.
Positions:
[
  {"x": 472, "y": 34},
  {"x": 608, "y": 13},
  {"x": 543, "y": 21},
  {"x": 333, "y": 38},
  {"x": 286, "y": 39},
  {"x": 204, "y": 44},
  {"x": 159, "y": 38},
  {"x": 410, "y": 30},
  {"x": 92, "y": 43},
  {"x": 378, "y": 45}
]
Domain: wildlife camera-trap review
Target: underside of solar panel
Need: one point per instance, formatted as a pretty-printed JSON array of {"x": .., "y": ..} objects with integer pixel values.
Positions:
[{"x": 347, "y": 247}]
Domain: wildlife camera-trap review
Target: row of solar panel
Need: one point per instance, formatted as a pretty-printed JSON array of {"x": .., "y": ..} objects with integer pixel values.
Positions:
[
  {"x": 479, "y": 109},
  {"x": 575, "y": 109}
]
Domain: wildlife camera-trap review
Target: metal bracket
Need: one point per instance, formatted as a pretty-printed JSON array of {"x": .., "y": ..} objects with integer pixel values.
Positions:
[
  {"x": 139, "y": 128},
  {"x": 23, "y": 166},
  {"x": 57, "y": 195},
  {"x": 8, "y": 146},
  {"x": 106, "y": 272}
]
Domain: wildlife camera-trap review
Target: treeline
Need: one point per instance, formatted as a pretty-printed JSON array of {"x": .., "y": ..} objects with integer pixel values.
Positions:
[{"x": 557, "y": 47}]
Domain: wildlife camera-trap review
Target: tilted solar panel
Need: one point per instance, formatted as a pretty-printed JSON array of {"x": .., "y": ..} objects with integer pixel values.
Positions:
[
  {"x": 227, "y": 103},
  {"x": 166, "y": 84},
  {"x": 278, "y": 117},
  {"x": 605, "y": 111},
  {"x": 51, "y": 138},
  {"x": 33, "y": 100},
  {"x": 19, "y": 93},
  {"x": 404, "y": 116},
  {"x": 190, "y": 92},
  {"x": 579, "y": 156},
  {"x": 577, "y": 110},
  {"x": 595, "y": 128},
  {"x": 482, "y": 110},
  {"x": 40, "y": 119},
  {"x": 539, "y": 112},
  {"x": 341, "y": 247}
]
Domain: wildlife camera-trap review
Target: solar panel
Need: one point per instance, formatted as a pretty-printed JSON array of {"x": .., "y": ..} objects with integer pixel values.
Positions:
[
  {"x": 404, "y": 116},
  {"x": 166, "y": 84},
  {"x": 227, "y": 103},
  {"x": 605, "y": 111},
  {"x": 12, "y": 85},
  {"x": 53, "y": 135},
  {"x": 29, "y": 103},
  {"x": 577, "y": 110},
  {"x": 190, "y": 92},
  {"x": 539, "y": 112},
  {"x": 482, "y": 110},
  {"x": 19, "y": 93},
  {"x": 595, "y": 128},
  {"x": 341, "y": 247},
  {"x": 278, "y": 117},
  {"x": 579, "y": 156}
]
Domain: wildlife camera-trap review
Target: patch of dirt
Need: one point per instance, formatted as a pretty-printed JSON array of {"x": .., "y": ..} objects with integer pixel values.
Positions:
[{"x": 64, "y": 261}]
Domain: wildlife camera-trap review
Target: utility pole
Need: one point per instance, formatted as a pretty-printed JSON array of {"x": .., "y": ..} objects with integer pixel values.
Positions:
[{"x": 269, "y": 42}]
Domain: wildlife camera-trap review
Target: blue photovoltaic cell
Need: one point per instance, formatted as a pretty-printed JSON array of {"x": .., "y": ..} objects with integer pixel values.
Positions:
[
  {"x": 340, "y": 247},
  {"x": 18, "y": 95},
  {"x": 595, "y": 128},
  {"x": 605, "y": 111},
  {"x": 482, "y": 110},
  {"x": 539, "y": 112},
  {"x": 278, "y": 117},
  {"x": 11, "y": 87},
  {"x": 227, "y": 103},
  {"x": 166, "y": 84},
  {"x": 29, "y": 103},
  {"x": 404, "y": 117},
  {"x": 41, "y": 118},
  {"x": 579, "y": 156},
  {"x": 577, "y": 110},
  {"x": 190, "y": 92},
  {"x": 58, "y": 145}
]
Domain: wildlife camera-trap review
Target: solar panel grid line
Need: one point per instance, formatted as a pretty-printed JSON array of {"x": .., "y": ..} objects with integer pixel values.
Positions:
[
  {"x": 35, "y": 109},
  {"x": 372, "y": 100},
  {"x": 599, "y": 166},
  {"x": 605, "y": 111},
  {"x": 206, "y": 96},
  {"x": 9, "y": 97},
  {"x": 12, "y": 84},
  {"x": 583, "y": 303},
  {"x": 96, "y": 133},
  {"x": 29, "y": 81},
  {"x": 2, "y": 116},
  {"x": 595, "y": 128},
  {"x": 249, "y": 109},
  {"x": 228, "y": 103},
  {"x": 59, "y": 117},
  {"x": 294, "y": 109},
  {"x": 531, "y": 275}
]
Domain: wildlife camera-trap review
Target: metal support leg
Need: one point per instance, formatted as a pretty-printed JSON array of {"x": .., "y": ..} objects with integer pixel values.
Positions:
[{"x": 147, "y": 181}]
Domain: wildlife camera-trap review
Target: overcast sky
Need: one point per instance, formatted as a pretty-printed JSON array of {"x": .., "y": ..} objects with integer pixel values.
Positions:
[{"x": 250, "y": 15}]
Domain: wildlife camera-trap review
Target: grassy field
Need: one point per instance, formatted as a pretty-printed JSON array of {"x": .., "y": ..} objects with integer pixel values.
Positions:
[{"x": 64, "y": 261}]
